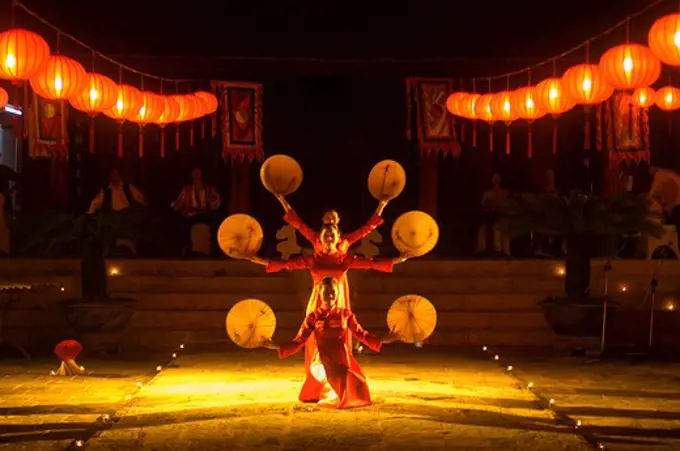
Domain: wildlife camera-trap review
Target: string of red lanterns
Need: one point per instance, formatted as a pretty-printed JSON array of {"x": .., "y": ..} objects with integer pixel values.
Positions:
[{"x": 627, "y": 67}]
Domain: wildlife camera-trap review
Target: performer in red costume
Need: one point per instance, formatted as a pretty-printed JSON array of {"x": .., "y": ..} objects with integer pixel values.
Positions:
[
  {"x": 338, "y": 380},
  {"x": 331, "y": 262},
  {"x": 331, "y": 218}
]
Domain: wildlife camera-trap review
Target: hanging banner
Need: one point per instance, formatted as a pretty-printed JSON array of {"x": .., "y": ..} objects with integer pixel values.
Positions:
[
  {"x": 630, "y": 133},
  {"x": 426, "y": 99},
  {"x": 241, "y": 108},
  {"x": 46, "y": 126}
]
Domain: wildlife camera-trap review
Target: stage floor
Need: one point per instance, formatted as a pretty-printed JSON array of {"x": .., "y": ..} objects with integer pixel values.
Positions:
[{"x": 248, "y": 400}]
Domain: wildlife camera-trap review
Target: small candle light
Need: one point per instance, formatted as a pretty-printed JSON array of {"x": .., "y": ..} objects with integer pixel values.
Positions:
[
  {"x": 552, "y": 401},
  {"x": 139, "y": 384},
  {"x": 496, "y": 357},
  {"x": 106, "y": 417},
  {"x": 63, "y": 289},
  {"x": 79, "y": 443},
  {"x": 509, "y": 367},
  {"x": 484, "y": 348},
  {"x": 578, "y": 423},
  {"x": 418, "y": 344},
  {"x": 624, "y": 288},
  {"x": 174, "y": 354},
  {"x": 158, "y": 368},
  {"x": 53, "y": 373},
  {"x": 669, "y": 305},
  {"x": 181, "y": 346},
  {"x": 530, "y": 385},
  {"x": 82, "y": 368},
  {"x": 560, "y": 271}
]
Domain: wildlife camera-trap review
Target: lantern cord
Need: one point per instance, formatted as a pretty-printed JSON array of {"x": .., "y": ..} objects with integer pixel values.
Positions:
[
  {"x": 588, "y": 52},
  {"x": 120, "y": 74},
  {"x": 586, "y": 43},
  {"x": 93, "y": 57},
  {"x": 99, "y": 54},
  {"x": 628, "y": 30},
  {"x": 554, "y": 68},
  {"x": 58, "y": 41},
  {"x": 11, "y": 13}
]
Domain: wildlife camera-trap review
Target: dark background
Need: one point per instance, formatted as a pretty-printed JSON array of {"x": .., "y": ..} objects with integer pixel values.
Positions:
[{"x": 334, "y": 95}]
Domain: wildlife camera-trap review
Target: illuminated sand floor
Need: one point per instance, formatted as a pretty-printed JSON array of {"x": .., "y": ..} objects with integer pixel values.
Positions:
[{"x": 247, "y": 400}]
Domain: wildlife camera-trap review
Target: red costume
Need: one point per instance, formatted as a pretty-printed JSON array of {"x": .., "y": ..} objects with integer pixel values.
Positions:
[
  {"x": 323, "y": 265},
  {"x": 341, "y": 378},
  {"x": 346, "y": 240}
]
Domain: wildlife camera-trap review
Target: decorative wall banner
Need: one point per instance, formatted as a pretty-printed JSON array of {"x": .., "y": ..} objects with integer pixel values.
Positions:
[
  {"x": 241, "y": 106},
  {"x": 46, "y": 125},
  {"x": 630, "y": 132},
  {"x": 426, "y": 98}
]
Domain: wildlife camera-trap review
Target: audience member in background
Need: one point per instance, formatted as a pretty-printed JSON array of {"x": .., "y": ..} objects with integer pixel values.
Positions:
[
  {"x": 197, "y": 203},
  {"x": 494, "y": 204},
  {"x": 545, "y": 245},
  {"x": 121, "y": 203}
]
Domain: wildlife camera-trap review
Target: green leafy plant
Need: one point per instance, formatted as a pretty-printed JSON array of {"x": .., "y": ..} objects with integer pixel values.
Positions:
[{"x": 582, "y": 220}]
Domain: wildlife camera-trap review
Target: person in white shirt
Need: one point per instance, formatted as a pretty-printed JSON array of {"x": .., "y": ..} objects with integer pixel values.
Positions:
[
  {"x": 197, "y": 202},
  {"x": 117, "y": 196}
]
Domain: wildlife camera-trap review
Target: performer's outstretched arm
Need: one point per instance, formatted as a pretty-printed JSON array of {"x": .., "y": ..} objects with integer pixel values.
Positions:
[
  {"x": 372, "y": 341},
  {"x": 284, "y": 203},
  {"x": 289, "y": 349},
  {"x": 376, "y": 264},
  {"x": 373, "y": 223},
  {"x": 296, "y": 263},
  {"x": 294, "y": 220}
]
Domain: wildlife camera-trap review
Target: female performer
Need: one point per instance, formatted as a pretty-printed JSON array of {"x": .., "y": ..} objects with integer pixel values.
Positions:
[
  {"x": 330, "y": 262},
  {"x": 331, "y": 218},
  {"x": 338, "y": 380}
]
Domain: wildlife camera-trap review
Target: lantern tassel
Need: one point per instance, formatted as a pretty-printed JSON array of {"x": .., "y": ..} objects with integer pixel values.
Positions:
[
  {"x": 490, "y": 138},
  {"x": 586, "y": 130},
  {"x": 462, "y": 131},
  {"x": 120, "y": 139},
  {"x": 24, "y": 128},
  {"x": 529, "y": 142},
  {"x": 202, "y": 128},
  {"x": 140, "y": 145},
  {"x": 91, "y": 134},
  {"x": 554, "y": 136},
  {"x": 162, "y": 142},
  {"x": 507, "y": 140},
  {"x": 177, "y": 136},
  {"x": 191, "y": 133},
  {"x": 630, "y": 121},
  {"x": 213, "y": 129},
  {"x": 474, "y": 134}
]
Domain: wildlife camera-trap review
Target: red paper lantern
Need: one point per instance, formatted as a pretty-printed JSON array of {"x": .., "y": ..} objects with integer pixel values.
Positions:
[
  {"x": 630, "y": 66},
  {"x": 524, "y": 103},
  {"x": 483, "y": 108},
  {"x": 501, "y": 107},
  {"x": 667, "y": 98},
  {"x": 22, "y": 54},
  {"x": 98, "y": 95},
  {"x": 643, "y": 97},
  {"x": 171, "y": 111},
  {"x": 150, "y": 110},
  {"x": 467, "y": 106},
  {"x": 664, "y": 39},
  {"x": 59, "y": 78},
  {"x": 190, "y": 107},
  {"x": 4, "y": 98},
  {"x": 128, "y": 102},
  {"x": 585, "y": 84},
  {"x": 453, "y": 102},
  {"x": 210, "y": 102},
  {"x": 551, "y": 97}
]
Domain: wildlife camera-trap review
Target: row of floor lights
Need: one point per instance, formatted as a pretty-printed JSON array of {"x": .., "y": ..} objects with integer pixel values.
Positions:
[{"x": 548, "y": 403}]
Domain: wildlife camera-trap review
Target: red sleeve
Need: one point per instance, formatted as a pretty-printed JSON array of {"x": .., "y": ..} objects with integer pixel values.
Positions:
[
  {"x": 289, "y": 349},
  {"x": 298, "y": 224},
  {"x": 367, "y": 338},
  {"x": 295, "y": 263},
  {"x": 373, "y": 223},
  {"x": 377, "y": 264}
]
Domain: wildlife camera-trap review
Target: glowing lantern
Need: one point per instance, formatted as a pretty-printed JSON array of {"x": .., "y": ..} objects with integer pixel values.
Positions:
[
  {"x": 98, "y": 94},
  {"x": 151, "y": 110},
  {"x": 552, "y": 99},
  {"x": 643, "y": 97},
  {"x": 453, "y": 102},
  {"x": 667, "y": 98},
  {"x": 585, "y": 84},
  {"x": 22, "y": 54},
  {"x": 664, "y": 39},
  {"x": 467, "y": 106},
  {"x": 630, "y": 66},
  {"x": 483, "y": 112},
  {"x": 128, "y": 102},
  {"x": 190, "y": 107},
  {"x": 525, "y": 105},
  {"x": 502, "y": 110},
  {"x": 210, "y": 105},
  {"x": 171, "y": 111},
  {"x": 4, "y": 98},
  {"x": 59, "y": 78}
]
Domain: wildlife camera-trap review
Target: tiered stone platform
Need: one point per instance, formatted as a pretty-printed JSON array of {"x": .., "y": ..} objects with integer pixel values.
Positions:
[{"x": 186, "y": 301}]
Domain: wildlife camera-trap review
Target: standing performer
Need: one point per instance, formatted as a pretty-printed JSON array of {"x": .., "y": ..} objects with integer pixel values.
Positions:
[
  {"x": 336, "y": 380},
  {"x": 331, "y": 218},
  {"x": 331, "y": 262}
]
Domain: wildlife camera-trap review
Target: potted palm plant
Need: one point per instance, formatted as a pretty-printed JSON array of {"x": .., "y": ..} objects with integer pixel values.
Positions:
[
  {"x": 97, "y": 318},
  {"x": 585, "y": 222}
]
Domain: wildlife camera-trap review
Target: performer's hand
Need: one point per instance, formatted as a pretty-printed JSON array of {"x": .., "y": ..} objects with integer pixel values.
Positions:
[
  {"x": 401, "y": 259},
  {"x": 390, "y": 338},
  {"x": 381, "y": 206},
  {"x": 269, "y": 344}
]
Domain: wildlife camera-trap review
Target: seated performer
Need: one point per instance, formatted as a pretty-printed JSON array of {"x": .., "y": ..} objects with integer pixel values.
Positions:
[
  {"x": 336, "y": 380},
  {"x": 197, "y": 203},
  {"x": 331, "y": 218}
]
